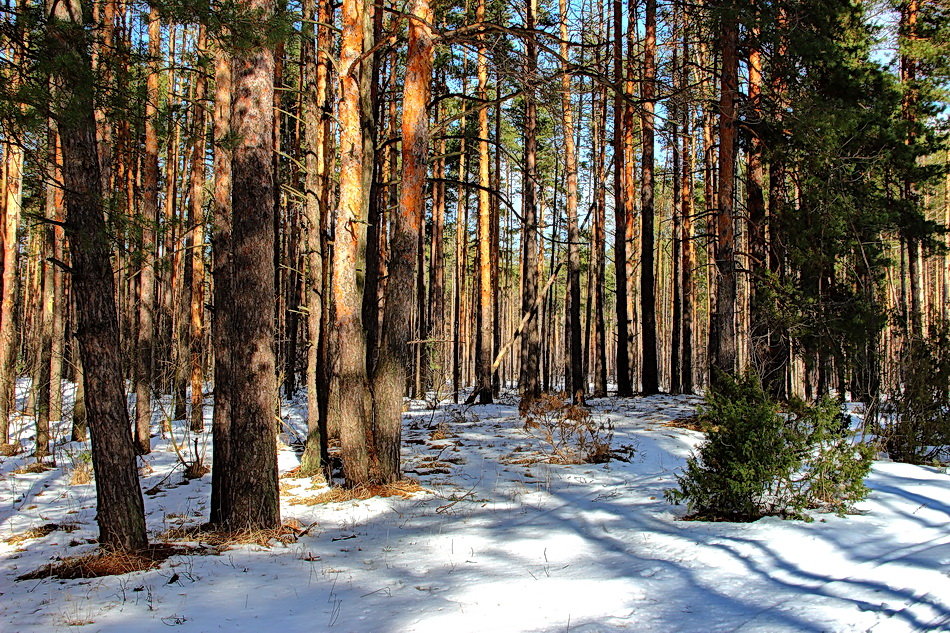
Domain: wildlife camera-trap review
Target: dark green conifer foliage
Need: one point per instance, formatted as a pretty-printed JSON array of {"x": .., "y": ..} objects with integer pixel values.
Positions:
[{"x": 759, "y": 461}]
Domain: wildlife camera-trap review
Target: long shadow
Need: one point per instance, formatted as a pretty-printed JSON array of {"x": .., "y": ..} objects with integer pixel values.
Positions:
[{"x": 650, "y": 569}]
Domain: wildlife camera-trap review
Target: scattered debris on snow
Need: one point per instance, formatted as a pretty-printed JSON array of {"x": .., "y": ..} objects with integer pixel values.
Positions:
[{"x": 477, "y": 541}]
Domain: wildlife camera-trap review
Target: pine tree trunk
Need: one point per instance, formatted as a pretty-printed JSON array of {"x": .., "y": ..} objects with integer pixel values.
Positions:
[
  {"x": 574, "y": 367},
  {"x": 314, "y": 59},
  {"x": 724, "y": 341},
  {"x": 389, "y": 379},
  {"x": 58, "y": 345},
  {"x": 44, "y": 348},
  {"x": 120, "y": 509},
  {"x": 621, "y": 213},
  {"x": 496, "y": 238},
  {"x": 686, "y": 235},
  {"x": 350, "y": 406},
  {"x": 253, "y": 496},
  {"x": 420, "y": 349},
  {"x": 529, "y": 378},
  {"x": 755, "y": 203},
  {"x": 196, "y": 250},
  {"x": 650, "y": 380},
  {"x": 223, "y": 293},
  {"x": 436, "y": 317},
  {"x": 80, "y": 421},
  {"x": 461, "y": 250},
  {"x": 146, "y": 298},
  {"x": 167, "y": 284},
  {"x": 779, "y": 368},
  {"x": 485, "y": 321},
  {"x": 676, "y": 322},
  {"x": 13, "y": 196},
  {"x": 945, "y": 268},
  {"x": 598, "y": 247},
  {"x": 909, "y": 112}
]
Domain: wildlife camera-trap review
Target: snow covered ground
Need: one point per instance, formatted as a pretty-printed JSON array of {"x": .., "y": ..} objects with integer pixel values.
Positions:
[{"x": 495, "y": 545}]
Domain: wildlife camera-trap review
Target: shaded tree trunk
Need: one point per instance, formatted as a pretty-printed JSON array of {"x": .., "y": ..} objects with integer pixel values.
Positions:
[
  {"x": 315, "y": 72},
  {"x": 120, "y": 509},
  {"x": 724, "y": 340},
  {"x": 44, "y": 326},
  {"x": 252, "y": 494},
  {"x": 221, "y": 274},
  {"x": 529, "y": 380},
  {"x": 598, "y": 246},
  {"x": 688, "y": 289},
  {"x": 575, "y": 381},
  {"x": 461, "y": 224},
  {"x": 650, "y": 379},
  {"x": 436, "y": 317},
  {"x": 196, "y": 245},
  {"x": 621, "y": 213},
  {"x": 149, "y": 220}
]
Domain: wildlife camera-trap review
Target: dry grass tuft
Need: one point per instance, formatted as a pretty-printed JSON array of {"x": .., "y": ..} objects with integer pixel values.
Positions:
[
  {"x": 39, "y": 532},
  {"x": 529, "y": 459},
  {"x": 441, "y": 432},
  {"x": 81, "y": 474},
  {"x": 568, "y": 433},
  {"x": 9, "y": 450},
  {"x": 32, "y": 469},
  {"x": 289, "y": 532},
  {"x": 196, "y": 470},
  {"x": 691, "y": 423},
  {"x": 104, "y": 564},
  {"x": 296, "y": 473},
  {"x": 403, "y": 488},
  {"x": 78, "y": 622},
  {"x": 293, "y": 473}
]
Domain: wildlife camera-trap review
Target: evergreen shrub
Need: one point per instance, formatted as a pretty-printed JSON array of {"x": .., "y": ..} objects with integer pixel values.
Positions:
[
  {"x": 757, "y": 460},
  {"x": 919, "y": 429}
]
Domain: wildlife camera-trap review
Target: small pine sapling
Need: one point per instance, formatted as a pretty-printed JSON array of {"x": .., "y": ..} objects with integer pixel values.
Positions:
[{"x": 759, "y": 461}]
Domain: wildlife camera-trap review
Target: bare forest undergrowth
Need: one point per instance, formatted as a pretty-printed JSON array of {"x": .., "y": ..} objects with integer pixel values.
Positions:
[{"x": 495, "y": 527}]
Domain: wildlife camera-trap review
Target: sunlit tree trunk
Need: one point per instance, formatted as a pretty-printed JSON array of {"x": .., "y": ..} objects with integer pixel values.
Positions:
[
  {"x": 389, "y": 379},
  {"x": 60, "y": 305},
  {"x": 760, "y": 334},
  {"x": 13, "y": 196},
  {"x": 485, "y": 321},
  {"x": 350, "y": 403}
]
